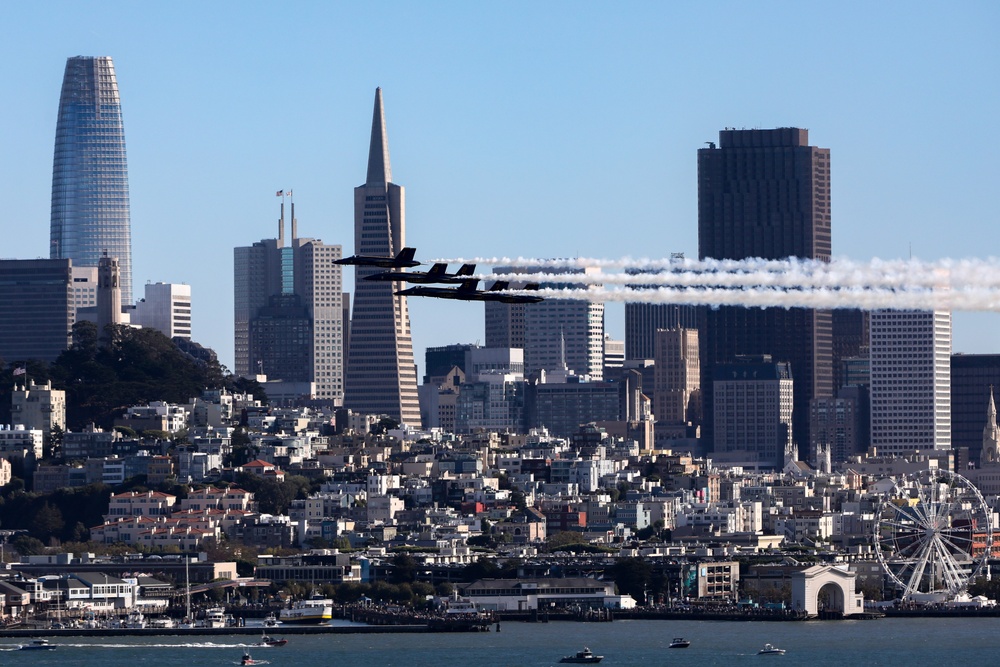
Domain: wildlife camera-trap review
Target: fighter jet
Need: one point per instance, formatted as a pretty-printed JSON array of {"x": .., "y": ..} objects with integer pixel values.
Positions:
[
  {"x": 467, "y": 292},
  {"x": 402, "y": 260},
  {"x": 437, "y": 275}
]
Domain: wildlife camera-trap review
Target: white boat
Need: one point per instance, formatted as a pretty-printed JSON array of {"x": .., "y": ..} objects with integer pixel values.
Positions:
[
  {"x": 215, "y": 617},
  {"x": 271, "y": 621},
  {"x": 314, "y": 610},
  {"x": 37, "y": 645},
  {"x": 771, "y": 650},
  {"x": 162, "y": 623},
  {"x": 679, "y": 642},
  {"x": 135, "y": 619}
]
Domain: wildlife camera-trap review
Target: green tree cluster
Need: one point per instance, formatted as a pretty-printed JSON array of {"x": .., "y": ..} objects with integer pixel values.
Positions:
[{"x": 105, "y": 373}]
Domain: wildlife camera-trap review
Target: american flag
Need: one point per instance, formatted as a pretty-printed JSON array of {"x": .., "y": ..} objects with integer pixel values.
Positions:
[
  {"x": 20, "y": 371},
  {"x": 279, "y": 193}
]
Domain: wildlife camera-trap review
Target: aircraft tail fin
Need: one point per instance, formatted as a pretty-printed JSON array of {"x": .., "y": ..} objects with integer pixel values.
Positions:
[
  {"x": 406, "y": 255},
  {"x": 437, "y": 270},
  {"x": 499, "y": 285},
  {"x": 468, "y": 285},
  {"x": 466, "y": 270}
]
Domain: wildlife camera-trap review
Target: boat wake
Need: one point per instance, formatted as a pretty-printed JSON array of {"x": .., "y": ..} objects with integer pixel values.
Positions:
[{"x": 198, "y": 645}]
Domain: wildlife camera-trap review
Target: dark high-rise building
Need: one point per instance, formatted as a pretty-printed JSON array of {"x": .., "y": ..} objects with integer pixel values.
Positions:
[
  {"x": 438, "y": 361},
  {"x": 381, "y": 376},
  {"x": 766, "y": 193},
  {"x": 642, "y": 320},
  {"x": 972, "y": 377},
  {"x": 37, "y": 309},
  {"x": 90, "y": 202}
]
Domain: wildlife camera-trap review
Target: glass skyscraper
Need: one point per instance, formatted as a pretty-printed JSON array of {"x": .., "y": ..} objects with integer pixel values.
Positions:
[{"x": 90, "y": 203}]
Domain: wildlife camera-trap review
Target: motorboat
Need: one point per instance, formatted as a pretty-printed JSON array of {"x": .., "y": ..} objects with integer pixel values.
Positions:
[
  {"x": 248, "y": 660},
  {"x": 316, "y": 609},
  {"x": 679, "y": 642},
  {"x": 271, "y": 621},
  {"x": 37, "y": 645},
  {"x": 215, "y": 617},
  {"x": 265, "y": 640},
  {"x": 584, "y": 657},
  {"x": 771, "y": 650}
]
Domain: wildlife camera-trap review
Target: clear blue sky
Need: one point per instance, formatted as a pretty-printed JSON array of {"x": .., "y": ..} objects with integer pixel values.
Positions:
[{"x": 547, "y": 129}]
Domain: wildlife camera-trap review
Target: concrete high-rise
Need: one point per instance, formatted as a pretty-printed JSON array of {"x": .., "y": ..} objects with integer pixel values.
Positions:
[
  {"x": 288, "y": 313},
  {"x": 677, "y": 390},
  {"x": 910, "y": 381},
  {"x": 555, "y": 334},
  {"x": 90, "y": 198},
  {"x": 754, "y": 412},
  {"x": 643, "y": 320},
  {"x": 766, "y": 193},
  {"x": 166, "y": 308},
  {"x": 381, "y": 376}
]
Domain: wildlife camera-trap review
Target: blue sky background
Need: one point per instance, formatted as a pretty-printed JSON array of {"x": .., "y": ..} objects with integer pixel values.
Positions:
[{"x": 548, "y": 129}]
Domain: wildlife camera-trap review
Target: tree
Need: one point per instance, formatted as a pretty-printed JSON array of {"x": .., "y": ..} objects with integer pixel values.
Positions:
[
  {"x": 404, "y": 569},
  {"x": 26, "y": 545},
  {"x": 632, "y": 576},
  {"x": 47, "y": 523},
  {"x": 563, "y": 538}
]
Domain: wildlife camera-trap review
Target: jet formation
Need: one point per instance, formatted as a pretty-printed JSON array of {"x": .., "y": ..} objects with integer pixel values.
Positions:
[{"x": 466, "y": 290}]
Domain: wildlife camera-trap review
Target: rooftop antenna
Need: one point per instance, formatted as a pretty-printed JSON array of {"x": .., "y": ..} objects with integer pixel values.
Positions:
[{"x": 281, "y": 220}]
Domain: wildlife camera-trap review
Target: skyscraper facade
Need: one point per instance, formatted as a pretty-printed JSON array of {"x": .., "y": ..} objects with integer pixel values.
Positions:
[
  {"x": 753, "y": 411},
  {"x": 766, "y": 193},
  {"x": 288, "y": 322},
  {"x": 37, "y": 311},
  {"x": 643, "y": 320},
  {"x": 555, "y": 334},
  {"x": 972, "y": 377},
  {"x": 910, "y": 381},
  {"x": 166, "y": 307},
  {"x": 677, "y": 391},
  {"x": 381, "y": 376},
  {"x": 90, "y": 200}
]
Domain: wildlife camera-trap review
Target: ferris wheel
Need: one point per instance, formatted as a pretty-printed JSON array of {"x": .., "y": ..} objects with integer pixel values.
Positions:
[{"x": 933, "y": 534}]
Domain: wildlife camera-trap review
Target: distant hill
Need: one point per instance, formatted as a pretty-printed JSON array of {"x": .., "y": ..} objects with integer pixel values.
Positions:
[{"x": 125, "y": 367}]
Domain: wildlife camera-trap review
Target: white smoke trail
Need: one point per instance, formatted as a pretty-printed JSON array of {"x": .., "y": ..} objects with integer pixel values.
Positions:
[{"x": 972, "y": 299}]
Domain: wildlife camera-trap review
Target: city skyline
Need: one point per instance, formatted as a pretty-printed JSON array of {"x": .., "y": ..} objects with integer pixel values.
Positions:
[{"x": 508, "y": 134}]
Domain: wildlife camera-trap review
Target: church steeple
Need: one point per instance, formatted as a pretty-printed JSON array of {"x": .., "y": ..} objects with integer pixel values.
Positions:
[
  {"x": 990, "y": 454},
  {"x": 379, "y": 170}
]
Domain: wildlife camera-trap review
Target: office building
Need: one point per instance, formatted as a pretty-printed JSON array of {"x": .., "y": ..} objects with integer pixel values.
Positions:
[
  {"x": 753, "y": 412},
  {"x": 766, "y": 193},
  {"x": 504, "y": 324},
  {"x": 438, "y": 361},
  {"x": 910, "y": 381},
  {"x": 37, "y": 311},
  {"x": 381, "y": 376},
  {"x": 677, "y": 377},
  {"x": 90, "y": 197},
  {"x": 614, "y": 356},
  {"x": 287, "y": 314},
  {"x": 643, "y": 320},
  {"x": 839, "y": 426},
  {"x": 563, "y": 405},
  {"x": 972, "y": 376},
  {"x": 165, "y": 307}
]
